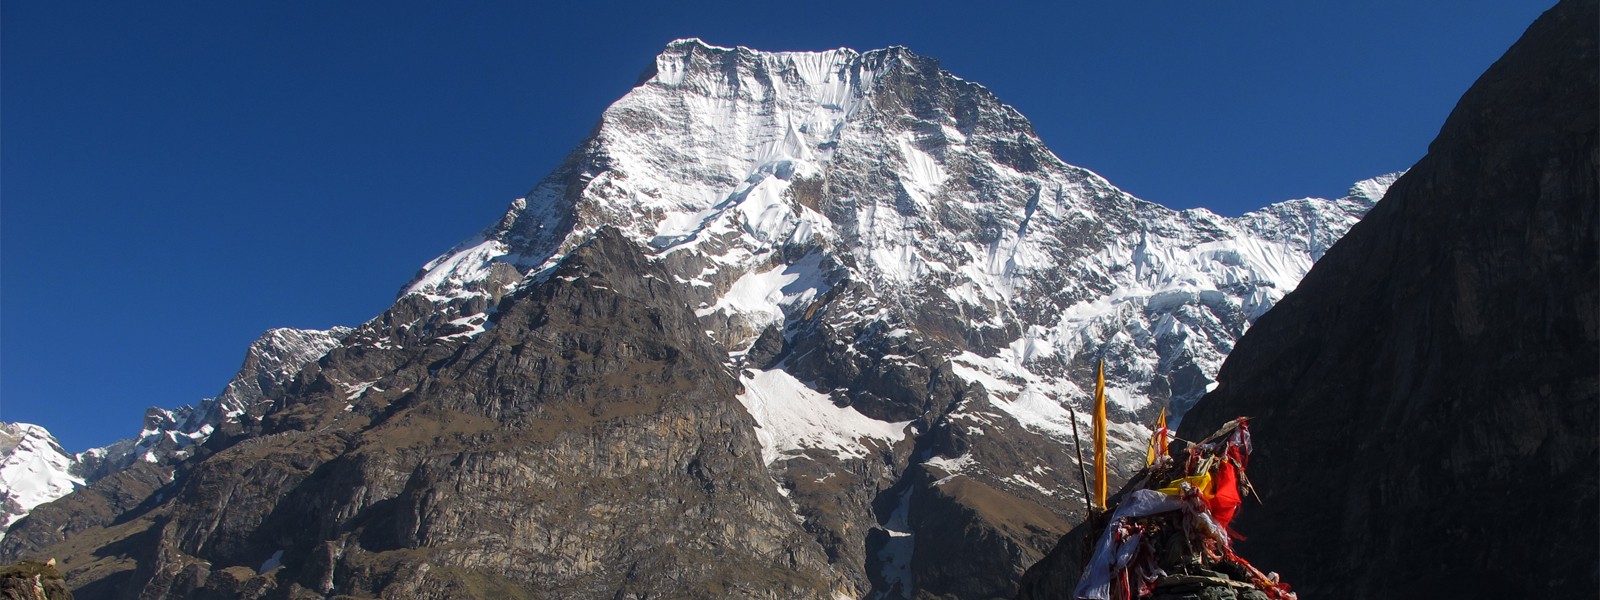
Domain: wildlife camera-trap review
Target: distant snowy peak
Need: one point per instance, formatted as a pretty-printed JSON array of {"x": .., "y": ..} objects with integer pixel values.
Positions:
[
  {"x": 34, "y": 469},
  {"x": 1314, "y": 224},
  {"x": 707, "y": 128},
  {"x": 1370, "y": 191}
]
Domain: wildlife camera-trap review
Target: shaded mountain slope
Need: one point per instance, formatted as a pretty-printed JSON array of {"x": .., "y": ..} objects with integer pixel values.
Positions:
[{"x": 1426, "y": 400}]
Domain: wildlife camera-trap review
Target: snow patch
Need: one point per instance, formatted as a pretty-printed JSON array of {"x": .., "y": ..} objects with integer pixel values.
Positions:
[
  {"x": 1025, "y": 482},
  {"x": 792, "y": 417},
  {"x": 470, "y": 263},
  {"x": 355, "y": 391},
  {"x": 763, "y": 295},
  {"x": 894, "y": 557},
  {"x": 950, "y": 466}
]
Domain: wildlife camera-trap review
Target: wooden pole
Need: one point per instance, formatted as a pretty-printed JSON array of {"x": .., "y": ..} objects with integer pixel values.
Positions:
[{"x": 1083, "y": 473}]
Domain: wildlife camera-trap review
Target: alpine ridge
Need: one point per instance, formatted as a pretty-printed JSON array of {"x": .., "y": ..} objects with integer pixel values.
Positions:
[
  {"x": 37, "y": 470},
  {"x": 794, "y": 324}
]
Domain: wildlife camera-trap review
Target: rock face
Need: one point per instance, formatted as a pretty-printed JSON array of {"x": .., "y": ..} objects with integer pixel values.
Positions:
[
  {"x": 29, "y": 580},
  {"x": 801, "y": 324},
  {"x": 588, "y": 445},
  {"x": 1426, "y": 401}
]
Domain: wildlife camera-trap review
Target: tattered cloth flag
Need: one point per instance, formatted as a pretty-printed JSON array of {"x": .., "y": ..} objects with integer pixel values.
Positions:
[
  {"x": 1158, "y": 440},
  {"x": 1171, "y": 536},
  {"x": 1224, "y": 502}
]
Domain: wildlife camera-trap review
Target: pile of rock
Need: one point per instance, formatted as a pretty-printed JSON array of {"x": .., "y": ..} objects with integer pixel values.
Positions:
[{"x": 1166, "y": 536}]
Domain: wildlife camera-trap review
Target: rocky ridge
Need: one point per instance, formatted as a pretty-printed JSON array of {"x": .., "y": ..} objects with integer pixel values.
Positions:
[
  {"x": 35, "y": 469},
  {"x": 32, "y": 581}
]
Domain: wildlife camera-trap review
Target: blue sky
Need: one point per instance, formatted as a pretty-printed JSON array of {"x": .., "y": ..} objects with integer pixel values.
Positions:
[{"x": 178, "y": 177}]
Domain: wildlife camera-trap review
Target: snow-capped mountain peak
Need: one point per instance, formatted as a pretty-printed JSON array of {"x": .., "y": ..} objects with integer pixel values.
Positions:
[
  {"x": 735, "y": 165},
  {"x": 907, "y": 288},
  {"x": 34, "y": 469},
  {"x": 889, "y": 252},
  {"x": 1372, "y": 190},
  {"x": 726, "y": 153}
]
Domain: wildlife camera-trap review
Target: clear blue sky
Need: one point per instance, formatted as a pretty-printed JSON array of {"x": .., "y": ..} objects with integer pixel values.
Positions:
[{"x": 177, "y": 177}]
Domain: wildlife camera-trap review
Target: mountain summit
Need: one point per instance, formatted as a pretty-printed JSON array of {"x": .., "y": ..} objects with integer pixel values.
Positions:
[
  {"x": 34, "y": 469},
  {"x": 797, "y": 325}
]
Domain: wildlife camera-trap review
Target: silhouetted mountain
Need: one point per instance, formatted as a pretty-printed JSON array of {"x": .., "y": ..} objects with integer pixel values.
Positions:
[{"x": 1425, "y": 403}]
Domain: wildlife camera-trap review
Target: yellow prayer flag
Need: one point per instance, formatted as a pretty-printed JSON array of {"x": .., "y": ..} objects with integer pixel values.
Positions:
[
  {"x": 1100, "y": 483},
  {"x": 1201, "y": 482}
]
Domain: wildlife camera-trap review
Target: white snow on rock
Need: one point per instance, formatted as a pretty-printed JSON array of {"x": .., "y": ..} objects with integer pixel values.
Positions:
[
  {"x": 722, "y": 159},
  {"x": 792, "y": 418},
  {"x": 894, "y": 557},
  {"x": 1373, "y": 190},
  {"x": 764, "y": 296},
  {"x": 469, "y": 263}
]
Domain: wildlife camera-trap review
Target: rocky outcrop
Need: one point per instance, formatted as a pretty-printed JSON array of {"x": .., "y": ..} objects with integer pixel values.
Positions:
[
  {"x": 30, "y": 580},
  {"x": 100, "y": 504},
  {"x": 1056, "y": 575},
  {"x": 169, "y": 436},
  {"x": 1427, "y": 399}
]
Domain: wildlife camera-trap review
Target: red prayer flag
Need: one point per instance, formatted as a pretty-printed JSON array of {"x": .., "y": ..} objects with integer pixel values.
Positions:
[{"x": 1225, "y": 502}]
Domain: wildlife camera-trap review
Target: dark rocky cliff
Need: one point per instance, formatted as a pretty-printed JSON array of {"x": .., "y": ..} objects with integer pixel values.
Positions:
[{"x": 1426, "y": 400}]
